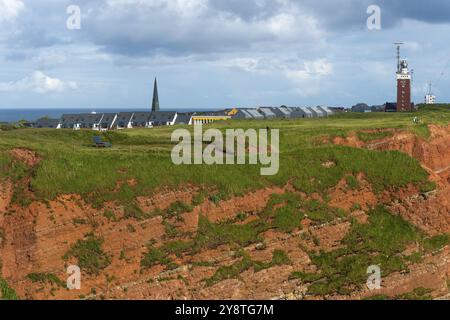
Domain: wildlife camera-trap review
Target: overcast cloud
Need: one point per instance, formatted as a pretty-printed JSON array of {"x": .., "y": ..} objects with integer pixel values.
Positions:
[{"x": 217, "y": 53}]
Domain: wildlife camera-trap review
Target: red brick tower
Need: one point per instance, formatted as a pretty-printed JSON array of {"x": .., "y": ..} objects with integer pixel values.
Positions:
[{"x": 403, "y": 87}]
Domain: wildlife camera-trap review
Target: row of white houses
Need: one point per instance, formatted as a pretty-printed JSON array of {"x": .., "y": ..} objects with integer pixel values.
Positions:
[
  {"x": 129, "y": 120},
  {"x": 110, "y": 121}
]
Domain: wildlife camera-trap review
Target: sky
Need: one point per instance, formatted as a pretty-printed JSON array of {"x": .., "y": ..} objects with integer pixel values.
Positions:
[{"x": 217, "y": 53}]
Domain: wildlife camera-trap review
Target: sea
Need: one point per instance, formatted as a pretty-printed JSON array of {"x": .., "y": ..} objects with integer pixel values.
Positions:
[{"x": 32, "y": 114}]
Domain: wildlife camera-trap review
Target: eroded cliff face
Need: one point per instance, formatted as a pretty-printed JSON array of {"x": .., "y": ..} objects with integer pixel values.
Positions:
[{"x": 36, "y": 237}]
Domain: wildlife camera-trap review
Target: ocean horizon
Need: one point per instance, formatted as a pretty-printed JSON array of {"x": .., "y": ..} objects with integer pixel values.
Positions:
[{"x": 32, "y": 114}]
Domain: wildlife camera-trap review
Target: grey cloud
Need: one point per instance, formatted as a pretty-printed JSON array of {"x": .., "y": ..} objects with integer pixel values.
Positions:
[
  {"x": 351, "y": 14},
  {"x": 139, "y": 28},
  {"x": 219, "y": 26},
  {"x": 248, "y": 10}
]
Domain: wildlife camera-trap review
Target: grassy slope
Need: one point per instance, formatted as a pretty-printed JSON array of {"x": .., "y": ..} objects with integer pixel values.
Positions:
[{"x": 71, "y": 165}]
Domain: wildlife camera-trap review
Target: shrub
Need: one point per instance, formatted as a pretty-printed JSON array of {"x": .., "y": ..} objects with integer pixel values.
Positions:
[
  {"x": 379, "y": 242},
  {"x": 89, "y": 254},
  {"x": 436, "y": 243},
  {"x": 46, "y": 277},
  {"x": 6, "y": 292}
]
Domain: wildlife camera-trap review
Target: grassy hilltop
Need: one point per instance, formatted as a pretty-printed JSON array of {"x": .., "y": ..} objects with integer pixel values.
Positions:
[{"x": 70, "y": 165}]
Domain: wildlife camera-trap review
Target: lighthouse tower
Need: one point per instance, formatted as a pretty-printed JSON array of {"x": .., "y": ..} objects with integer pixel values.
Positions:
[{"x": 403, "y": 87}]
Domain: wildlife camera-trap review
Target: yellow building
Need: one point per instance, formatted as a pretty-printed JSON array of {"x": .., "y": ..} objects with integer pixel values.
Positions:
[{"x": 205, "y": 119}]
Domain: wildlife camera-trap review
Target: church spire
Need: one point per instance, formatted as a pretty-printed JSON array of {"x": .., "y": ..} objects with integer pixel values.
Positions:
[{"x": 155, "y": 103}]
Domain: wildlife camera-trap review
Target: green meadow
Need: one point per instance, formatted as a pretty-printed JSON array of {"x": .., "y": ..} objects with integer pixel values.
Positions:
[{"x": 71, "y": 165}]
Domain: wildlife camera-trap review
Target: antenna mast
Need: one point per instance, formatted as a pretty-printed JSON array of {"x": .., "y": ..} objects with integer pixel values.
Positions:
[{"x": 398, "y": 44}]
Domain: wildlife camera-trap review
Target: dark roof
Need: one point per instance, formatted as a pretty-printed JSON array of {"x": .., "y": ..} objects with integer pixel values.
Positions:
[
  {"x": 162, "y": 116},
  {"x": 279, "y": 113},
  {"x": 108, "y": 119},
  {"x": 325, "y": 110},
  {"x": 141, "y": 116},
  {"x": 69, "y": 118},
  {"x": 220, "y": 113},
  {"x": 314, "y": 111},
  {"x": 267, "y": 112},
  {"x": 46, "y": 123},
  {"x": 242, "y": 114},
  {"x": 183, "y": 118},
  {"x": 300, "y": 112},
  {"x": 391, "y": 107},
  {"x": 360, "y": 107},
  {"x": 82, "y": 118},
  {"x": 125, "y": 116},
  {"x": 89, "y": 119},
  {"x": 254, "y": 113}
]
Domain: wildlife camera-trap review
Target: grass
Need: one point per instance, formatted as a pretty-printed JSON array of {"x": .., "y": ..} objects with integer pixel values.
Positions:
[
  {"x": 70, "y": 165},
  {"x": 89, "y": 254},
  {"x": 177, "y": 208},
  {"x": 46, "y": 278},
  {"x": 211, "y": 235},
  {"x": 6, "y": 292},
  {"x": 155, "y": 257},
  {"x": 11, "y": 168},
  {"x": 233, "y": 271},
  {"x": 160, "y": 256},
  {"x": 286, "y": 211},
  {"x": 436, "y": 243},
  {"x": 279, "y": 257},
  {"x": 417, "y": 294},
  {"x": 380, "y": 242},
  {"x": 352, "y": 182},
  {"x": 428, "y": 186}
]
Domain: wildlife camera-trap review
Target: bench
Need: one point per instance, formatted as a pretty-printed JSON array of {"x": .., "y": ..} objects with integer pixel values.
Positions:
[{"x": 99, "y": 143}]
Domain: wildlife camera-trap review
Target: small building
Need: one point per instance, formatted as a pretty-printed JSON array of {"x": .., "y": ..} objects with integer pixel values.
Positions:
[
  {"x": 337, "y": 110},
  {"x": 47, "y": 123},
  {"x": 124, "y": 120},
  {"x": 90, "y": 121},
  {"x": 242, "y": 114},
  {"x": 430, "y": 99},
  {"x": 141, "y": 120},
  {"x": 360, "y": 107},
  {"x": 108, "y": 121},
  {"x": 210, "y": 117},
  {"x": 255, "y": 114},
  {"x": 326, "y": 110},
  {"x": 301, "y": 112},
  {"x": 390, "y": 107},
  {"x": 286, "y": 111},
  {"x": 70, "y": 121},
  {"x": 317, "y": 112},
  {"x": 162, "y": 118},
  {"x": 184, "y": 119},
  {"x": 279, "y": 113},
  {"x": 267, "y": 112}
]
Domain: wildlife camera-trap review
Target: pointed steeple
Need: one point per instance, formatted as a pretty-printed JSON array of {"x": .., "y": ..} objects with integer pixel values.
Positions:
[{"x": 155, "y": 103}]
